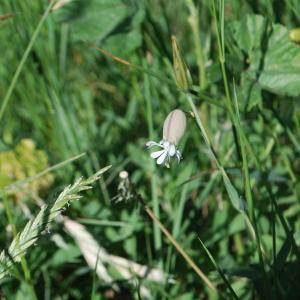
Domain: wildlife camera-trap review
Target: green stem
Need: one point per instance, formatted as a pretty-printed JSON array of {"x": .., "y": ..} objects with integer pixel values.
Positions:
[
  {"x": 247, "y": 183},
  {"x": 227, "y": 92},
  {"x": 154, "y": 181},
  {"x": 24, "y": 264},
  {"x": 24, "y": 58},
  {"x": 229, "y": 187},
  {"x": 236, "y": 122},
  {"x": 195, "y": 25},
  {"x": 221, "y": 50}
]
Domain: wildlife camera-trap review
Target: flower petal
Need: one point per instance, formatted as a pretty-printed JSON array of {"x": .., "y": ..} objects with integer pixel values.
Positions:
[
  {"x": 162, "y": 158},
  {"x": 156, "y": 154},
  {"x": 178, "y": 155},
  {"x": 172, "y": 150},
  {"x": 174, "y": 126},
  {"x": 152, "y": 143}
]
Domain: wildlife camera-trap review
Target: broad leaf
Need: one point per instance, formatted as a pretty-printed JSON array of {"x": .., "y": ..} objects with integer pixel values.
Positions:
[
  {"x": 115, "y": 24},
  {"x": 273, "y": 59}
]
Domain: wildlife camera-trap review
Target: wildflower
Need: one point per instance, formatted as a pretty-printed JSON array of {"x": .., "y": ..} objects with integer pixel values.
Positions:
[{"x": 173, "y": 130}]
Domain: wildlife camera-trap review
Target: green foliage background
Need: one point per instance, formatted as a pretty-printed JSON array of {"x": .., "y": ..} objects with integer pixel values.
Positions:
[{"x": 70, "y": 98}]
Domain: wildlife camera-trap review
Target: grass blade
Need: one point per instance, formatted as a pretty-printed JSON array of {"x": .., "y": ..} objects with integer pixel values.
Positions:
[
  {"x": 220, "y": 271},
  {"x": 24, "y": 58}
]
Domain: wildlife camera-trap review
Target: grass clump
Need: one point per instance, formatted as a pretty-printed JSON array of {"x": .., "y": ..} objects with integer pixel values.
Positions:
[{"x": 99, "y": 78}]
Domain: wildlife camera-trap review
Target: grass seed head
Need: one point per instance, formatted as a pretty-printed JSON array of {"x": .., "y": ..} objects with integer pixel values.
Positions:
[{"x": 181, "y": 71}]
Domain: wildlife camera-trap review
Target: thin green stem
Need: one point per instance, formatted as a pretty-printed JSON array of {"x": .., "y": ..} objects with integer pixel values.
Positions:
[
  {"x": 154, "y": 181},
  {"x": 283, "y": 221},
  {"x": 166, "y": 80},
  {"x": 227, "y": 92},
  {"x": 195, "y": 25},
  {"x": 232, "y": 193},
  {"x": 199, "y": 122},
  {"x": 242, "y": 141},
  {"x": 247, "y": 183},
  {"x": 228, "y": 98},
  {"x": 24, "y": 58},
  {"x": 24, "y": 264},
  {"x": 102, "y": 183},
  {"x": 220, "y": 271},
  {"x": 20, "y": 183}
]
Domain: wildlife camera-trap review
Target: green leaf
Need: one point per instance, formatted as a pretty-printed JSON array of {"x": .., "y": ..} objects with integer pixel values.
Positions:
[
  {"x": 97, "y": 20},
  {"x": 283, "y": 253},
  {"x": 248, "y": 34},
  {"x": 113, "y": 23},
  {"x": 126, "y": 38},
  {"x": 274, "y": 60},
  {"x": 234, "y": 197},
  {"x": 63, "y": 256},
  {"x": 250, "y": 272}
]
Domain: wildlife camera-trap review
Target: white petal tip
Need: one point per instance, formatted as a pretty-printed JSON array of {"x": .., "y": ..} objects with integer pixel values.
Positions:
[
  {"x": 156, "y": 154},
  {"x": 162, "y": 158},
  {"x": 148, "y": 144},
  {"x": 152, "y": 143}
]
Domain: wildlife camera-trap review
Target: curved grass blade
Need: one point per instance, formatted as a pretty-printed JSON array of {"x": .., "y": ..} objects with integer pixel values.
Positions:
[
  {"x": 220, "y": 271},
  {"x": 24, "y": 58},
  {"x": 193, "y": 90},
  {"x": 20, "y": 183}
]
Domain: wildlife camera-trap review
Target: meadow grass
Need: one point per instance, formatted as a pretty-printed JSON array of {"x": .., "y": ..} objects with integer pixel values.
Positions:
[{"x": 88, "y": 83}]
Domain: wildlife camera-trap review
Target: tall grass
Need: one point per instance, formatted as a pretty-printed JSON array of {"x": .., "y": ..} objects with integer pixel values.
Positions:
[{"x": 97, "y": 77}]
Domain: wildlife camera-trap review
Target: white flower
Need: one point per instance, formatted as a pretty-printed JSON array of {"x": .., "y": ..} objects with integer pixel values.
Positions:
[{"x": 174, "y": 127}]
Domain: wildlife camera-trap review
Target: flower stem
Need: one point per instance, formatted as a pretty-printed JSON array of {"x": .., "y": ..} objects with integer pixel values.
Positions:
[{"x": 154, "y": 181}]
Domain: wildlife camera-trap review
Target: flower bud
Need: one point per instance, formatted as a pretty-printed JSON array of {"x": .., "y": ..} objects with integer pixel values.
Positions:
[
  {"x": 181, "y": 72},
  {"x": 174, "y": 126},
  {"x": 123, "y": 174}
]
